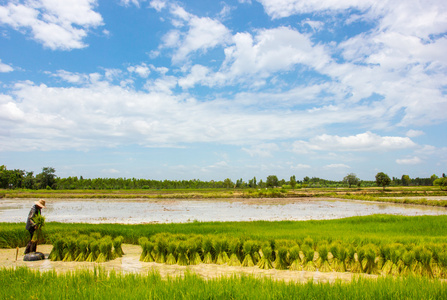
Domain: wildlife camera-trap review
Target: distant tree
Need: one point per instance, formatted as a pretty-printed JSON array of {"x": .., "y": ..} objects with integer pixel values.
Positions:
[
  {"x": 351, "y": 179},
  {"x": 47, "y": 178},
  {"x": 306, "y": 179},
  {"x": 406, "y": 180},
  {"x": 252, "y": 182},
  {"x": 382, "y": 180},
  {"x": 293, "y": 181},
  {"x": 228, "y": 183},
  {"x": 441, "y": 182},
  {"x": 272, "y": 181},
  {"x": 433, "y": 178}
]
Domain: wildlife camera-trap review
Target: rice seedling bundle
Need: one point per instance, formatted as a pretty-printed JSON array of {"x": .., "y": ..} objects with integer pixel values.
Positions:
[
  {"x": 57, "y": 253},
  {"x": 409, "y": 259},
  {"x": 117, "y": 249},
  {"x": 342, "y": 257},
  {"x": 93, "y": 246},
  {"x": 171, "y": 258},
  {"x": 369, "y": 258},
  {"x": 160, "y": 249},
  {"x": 235, "y": 246},
  {"x": 249, "y": 248},
  {"x": 309, "y": 257},
  {"x": 194, "y": 246},
  {"x": 208, "y": 251},
  {"x": 142, "y": 241},
  {"x": 83, "y": 247},
  {"x": 425, "y": 257},
  {"x": 294, "y": 258},
  {"x": 221, "y": 245},
  {"x": 39, "y": 220},
  {"x": 323, "y": 259},
  {"x": 266, "y": 256},
  {"x": 70, "y": 249},
  {"x": 181, "y": 250},
  {"x": 281, "y": 259},
  {"x": 105, "y": 249}
]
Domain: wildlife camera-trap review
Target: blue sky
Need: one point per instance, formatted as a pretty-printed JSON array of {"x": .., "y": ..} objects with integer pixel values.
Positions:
[{"x": 224, "y": 89}]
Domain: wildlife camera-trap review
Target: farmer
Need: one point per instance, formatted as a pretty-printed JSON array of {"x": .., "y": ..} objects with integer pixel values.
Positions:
[{"x": 31, "y": 226}]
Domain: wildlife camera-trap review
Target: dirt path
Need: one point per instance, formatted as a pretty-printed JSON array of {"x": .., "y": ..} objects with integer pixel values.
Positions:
[{"x": 130, "y": 263}]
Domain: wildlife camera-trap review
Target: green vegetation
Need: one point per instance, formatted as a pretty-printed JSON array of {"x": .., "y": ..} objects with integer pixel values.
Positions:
[
  {"x": 98, "y": 284},
  {"x": 47, "y": 179},
  {"x": 376, "y": 229}
]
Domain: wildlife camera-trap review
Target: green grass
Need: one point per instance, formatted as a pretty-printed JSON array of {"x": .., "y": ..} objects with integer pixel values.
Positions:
[
  {"x": 23, "y": 283},
  {"x": 377, "y": 229}
]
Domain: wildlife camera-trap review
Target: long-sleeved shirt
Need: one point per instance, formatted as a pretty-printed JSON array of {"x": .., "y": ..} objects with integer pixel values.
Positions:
[{"x": 35, "y": 210}]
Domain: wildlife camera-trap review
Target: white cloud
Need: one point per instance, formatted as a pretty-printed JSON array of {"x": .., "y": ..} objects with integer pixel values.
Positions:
[
  {"x": 202, "y": 33},
  {"x": 158, "y": 5},
  {"x": 361, "y": 142},
  {"x": 56, "y": 24},
  {"x": 142, "y": 70},
  {"x": 337, "y": 166},
  {"x": 262, "y": 150},
  {"x": 414, "y": 133},
  {"x": 409, "y": 161},
  {"x": 4, "y": 68},
  {"x": 300, "y": 167}
]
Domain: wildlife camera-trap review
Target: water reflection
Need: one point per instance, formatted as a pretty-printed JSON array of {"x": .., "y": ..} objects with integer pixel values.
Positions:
[{"x": 179, "y": 211}]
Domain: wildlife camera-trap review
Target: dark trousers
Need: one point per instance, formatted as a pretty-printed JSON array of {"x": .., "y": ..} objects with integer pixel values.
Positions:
[{"x": 32, "y": 246}]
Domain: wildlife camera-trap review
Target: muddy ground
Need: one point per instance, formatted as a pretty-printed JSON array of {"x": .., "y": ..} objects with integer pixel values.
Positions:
[{"x": 130, "y": 263}]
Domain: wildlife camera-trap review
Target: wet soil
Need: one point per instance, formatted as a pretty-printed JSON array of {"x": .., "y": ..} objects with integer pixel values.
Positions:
[
  {"x": 138, "y": 211},
  {"x": 130, "y": 263}
]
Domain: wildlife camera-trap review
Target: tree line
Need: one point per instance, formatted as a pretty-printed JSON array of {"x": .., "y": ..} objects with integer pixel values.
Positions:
[{"x": 47, "y": 179}]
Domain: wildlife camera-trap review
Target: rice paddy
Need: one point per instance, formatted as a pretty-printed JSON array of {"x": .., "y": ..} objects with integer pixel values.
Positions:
[{"x": 407, "y": 256}]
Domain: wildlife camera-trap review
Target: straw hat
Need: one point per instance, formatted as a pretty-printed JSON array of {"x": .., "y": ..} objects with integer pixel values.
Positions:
[{"x": 40, "y": 203}]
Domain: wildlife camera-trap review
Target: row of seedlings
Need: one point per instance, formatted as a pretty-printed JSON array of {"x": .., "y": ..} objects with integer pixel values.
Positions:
[
  {"x": 306, "y": 255},
  {"x": 90, "y": 248}
]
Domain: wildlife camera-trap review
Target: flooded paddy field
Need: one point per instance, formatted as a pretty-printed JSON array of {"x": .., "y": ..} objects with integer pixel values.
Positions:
[{"x": 139, "y": 211}]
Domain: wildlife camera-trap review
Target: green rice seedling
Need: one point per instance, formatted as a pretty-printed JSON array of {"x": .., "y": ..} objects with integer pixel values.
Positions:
[
  {"x": 93, "y": 250},
  {"x": 356, "y": 266},
  {"x": 308, "y": 242},
  {"x": 235, "y": 246},
  {"x": 294, "y": 259},
  {"x": 117, "y": 249},
  {"x": 323, "y": 259},
  {"x": 350, "y": 259},
  {"x": 56, "y": 253},
  {"x": 309, "y": 257},
  {"x": 171, "y": 258},
  {"x": 409, "y": 259},
  {"x": 105, "y": 248},
  {"x": 281, "y": 259},
  {"x": 70, "y": 251},
  {"x": 442, "y": 257},
  {"x": 149, "y": 246},
  {"x": 249, "y": 248},
  {"x": 142, "y": 241},
  {"x": 95, "y": 235},
  {"x": 39, "y": 220},
  {"x": 83, "y": 247},
  {"x": 160, "y": 249},
  {"x": 266, "y": 257},
  {"x": 370, "y": 257},
  {"x": 181, "y": 250},
  {"x": 425, "y": 258},
  {"x": 342, "y": 257},
  {"x": 221, "y": 246},
  {"x": 208, "y": 250},
  {"x": 194, "y": 246},
  {"x": 396, "y": 254}
]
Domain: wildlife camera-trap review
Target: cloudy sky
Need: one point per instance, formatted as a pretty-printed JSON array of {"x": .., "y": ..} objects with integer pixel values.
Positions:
[{"x": 205, "y": 89}]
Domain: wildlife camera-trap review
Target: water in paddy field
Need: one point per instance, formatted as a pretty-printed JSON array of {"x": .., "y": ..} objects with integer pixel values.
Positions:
[{"x": 181, "y": 211}]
